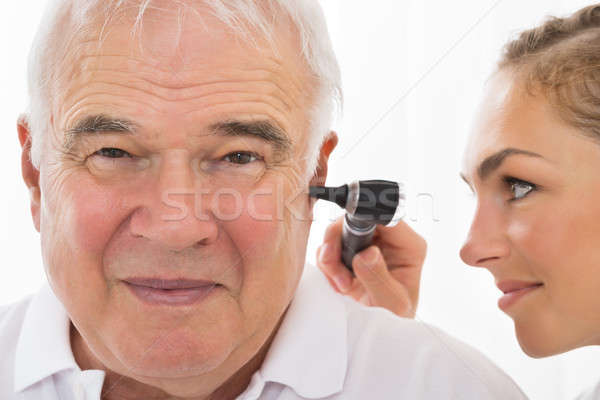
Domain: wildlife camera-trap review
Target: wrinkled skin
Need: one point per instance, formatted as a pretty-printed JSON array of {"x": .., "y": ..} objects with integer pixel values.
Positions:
[{"x": 103, "y": 219}]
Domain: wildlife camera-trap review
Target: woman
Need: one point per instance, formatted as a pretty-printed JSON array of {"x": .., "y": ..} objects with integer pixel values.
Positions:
[{"x": 533, "y": 162}]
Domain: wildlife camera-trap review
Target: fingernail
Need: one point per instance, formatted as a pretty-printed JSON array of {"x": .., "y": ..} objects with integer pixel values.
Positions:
[{"x": 342, "y": 282}]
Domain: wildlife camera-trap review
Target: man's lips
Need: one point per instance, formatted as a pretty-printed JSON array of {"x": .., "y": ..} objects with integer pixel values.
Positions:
[
  {"x": 515, "y": 290},
  {"x": 170, "y": 292},
  {"x": 170, "y": 284}
]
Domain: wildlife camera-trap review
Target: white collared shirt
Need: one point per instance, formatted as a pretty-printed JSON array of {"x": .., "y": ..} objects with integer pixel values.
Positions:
[
  {"x": 327, "y": 347},
  {"x": 592, "y": 393}
]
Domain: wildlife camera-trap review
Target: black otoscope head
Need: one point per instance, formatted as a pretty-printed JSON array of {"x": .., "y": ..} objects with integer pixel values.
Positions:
[
  {"x": 367, "y": 203},
  {"x": 371, "y": 201}
]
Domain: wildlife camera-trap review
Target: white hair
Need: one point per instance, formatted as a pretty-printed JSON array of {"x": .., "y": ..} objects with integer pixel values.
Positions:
[{"x": 63, "y": 20}]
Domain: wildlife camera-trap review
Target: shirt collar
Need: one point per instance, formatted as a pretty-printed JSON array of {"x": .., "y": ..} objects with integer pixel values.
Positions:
[
  {"x": 309, "y": 351},
  {"x": 43, "y": 347}
]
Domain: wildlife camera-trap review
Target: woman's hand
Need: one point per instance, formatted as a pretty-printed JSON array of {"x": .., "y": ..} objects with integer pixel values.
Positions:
[{"x": 388, "y": 273}]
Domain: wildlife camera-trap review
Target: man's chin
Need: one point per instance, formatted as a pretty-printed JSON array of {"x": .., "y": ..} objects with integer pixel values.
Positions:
[
  {"x": 179, "y": 382},
  {"x": 176, "y": 362}
]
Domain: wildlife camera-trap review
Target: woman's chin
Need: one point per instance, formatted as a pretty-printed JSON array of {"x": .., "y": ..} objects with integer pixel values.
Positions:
[
  {"x": 535, "y": 351},
  {"x": 539, "y": 343}
]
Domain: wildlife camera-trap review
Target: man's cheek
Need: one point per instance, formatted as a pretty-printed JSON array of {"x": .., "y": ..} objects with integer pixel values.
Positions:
[
  {"x": 256, "y": 227},
  {"x": 93, "y": 216}
]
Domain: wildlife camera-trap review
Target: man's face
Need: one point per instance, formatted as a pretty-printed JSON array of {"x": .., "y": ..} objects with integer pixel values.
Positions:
[{"x": 181, "y": 186}]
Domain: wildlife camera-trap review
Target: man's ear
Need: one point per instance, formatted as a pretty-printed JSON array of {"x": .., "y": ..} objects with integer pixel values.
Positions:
[
  {"x": 31, "y": 175},
  {"x": 327, "y": 147}
]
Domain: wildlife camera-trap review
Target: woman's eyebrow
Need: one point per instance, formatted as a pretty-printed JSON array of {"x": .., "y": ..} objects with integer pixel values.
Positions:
[
  {"x": 464, "y": 178},
  {"x": 493, "y": 162}
]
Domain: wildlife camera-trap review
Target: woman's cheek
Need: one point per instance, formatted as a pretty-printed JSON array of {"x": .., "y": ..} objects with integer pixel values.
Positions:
[
  {"x": 580, "y": 258},
  {"x": 537, "y": 240}
]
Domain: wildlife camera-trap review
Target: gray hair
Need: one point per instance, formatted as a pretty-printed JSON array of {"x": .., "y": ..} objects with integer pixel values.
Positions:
[{"x": 240, "y": 16}]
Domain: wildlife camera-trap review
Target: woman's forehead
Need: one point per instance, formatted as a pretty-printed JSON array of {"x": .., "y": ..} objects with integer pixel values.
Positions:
[
  {"x": 516, "y": 119},
  {"x": 511, "y": 117}
]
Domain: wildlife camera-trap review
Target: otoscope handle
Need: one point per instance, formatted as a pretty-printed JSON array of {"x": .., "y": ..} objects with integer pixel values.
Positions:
[{"x": 354, "y": 239}]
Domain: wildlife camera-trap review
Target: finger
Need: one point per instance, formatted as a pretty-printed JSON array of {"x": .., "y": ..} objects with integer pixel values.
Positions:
[
  {"x": 333, "y": 233},
  {"x": 382, "y": 288},
  {"x": 404, "y": 251},
  {"x": 356, "y": 291},
  {"x": 329, "y": 260},
  {"x": 331, "y": 282},
  {"x": 411, "y": 282},
  {"x": 404, "y": 245}
]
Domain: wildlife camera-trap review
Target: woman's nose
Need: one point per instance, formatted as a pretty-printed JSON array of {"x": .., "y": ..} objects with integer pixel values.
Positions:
[{"x": 486, "y": 242}]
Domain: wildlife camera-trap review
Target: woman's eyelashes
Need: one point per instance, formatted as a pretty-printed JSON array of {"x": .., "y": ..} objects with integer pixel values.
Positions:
[{"x": 518, "y": 187}]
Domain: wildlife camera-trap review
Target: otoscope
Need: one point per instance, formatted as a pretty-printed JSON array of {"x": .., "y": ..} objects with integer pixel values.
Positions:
[{"x": 367, "y": 204}]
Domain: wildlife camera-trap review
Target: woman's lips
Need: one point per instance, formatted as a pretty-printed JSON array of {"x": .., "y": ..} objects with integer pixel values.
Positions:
[
  {"x": 171, "y": 292},
  {"x": 514, "y": 291}
]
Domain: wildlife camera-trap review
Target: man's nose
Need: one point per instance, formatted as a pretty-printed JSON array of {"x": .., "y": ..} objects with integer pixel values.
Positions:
[
  {"x": 487, "y": 241},
  {"x": 176, "y": 212}
]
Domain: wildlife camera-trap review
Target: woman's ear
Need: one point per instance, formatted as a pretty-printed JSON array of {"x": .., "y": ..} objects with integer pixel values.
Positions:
[
  {"x": 327, "y": 147},
  {"x": 31, "y": 175}
]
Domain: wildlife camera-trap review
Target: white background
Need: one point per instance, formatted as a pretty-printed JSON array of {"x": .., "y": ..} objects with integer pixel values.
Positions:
[{"x": 413, "y": 73}]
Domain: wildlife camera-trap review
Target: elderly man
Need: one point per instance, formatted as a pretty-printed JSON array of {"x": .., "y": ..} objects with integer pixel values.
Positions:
[{"x": 167, "y": 150}]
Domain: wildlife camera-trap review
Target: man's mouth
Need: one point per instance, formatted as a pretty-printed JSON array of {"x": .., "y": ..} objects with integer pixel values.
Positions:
[
  {"x": 514, "y": 291},
  {"x": 171, "y": 292},
  {"x": 160, "y": 283}
]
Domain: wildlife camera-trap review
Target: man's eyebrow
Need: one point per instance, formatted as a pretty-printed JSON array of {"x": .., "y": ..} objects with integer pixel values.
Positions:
[
  {"x": 264, "y": 130},
  {"x": 101, "y": 123},
  {"x": 93, "y": 124},
  {"x": 493, "y": 162}
]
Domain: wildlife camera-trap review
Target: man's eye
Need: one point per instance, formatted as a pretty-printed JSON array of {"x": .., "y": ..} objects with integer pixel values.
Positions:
[
  {"x": 111, "y": 152},
  {"x": 241, "y": 157},
  {"x": 519, "y": 188}
]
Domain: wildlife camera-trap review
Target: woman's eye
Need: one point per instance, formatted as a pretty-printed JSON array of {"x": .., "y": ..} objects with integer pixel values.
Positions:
[
  {"x": 241, "y": 157},
  {"x": 111, "y": 152},
  {"x": 519, "y": 188}
]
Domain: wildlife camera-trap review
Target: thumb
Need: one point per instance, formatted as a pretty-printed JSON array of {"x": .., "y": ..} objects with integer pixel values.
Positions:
[{"x": 383, "y": 290}]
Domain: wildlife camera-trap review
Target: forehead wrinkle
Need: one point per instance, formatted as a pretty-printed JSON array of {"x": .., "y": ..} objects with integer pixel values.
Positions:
[
  {"x": 266, "y": 52},
  {"x": 161, "y": 74},
  {"x": 106, "y": 27},
  {"x": 85, "y": 100},
  {"x": 270, "y": 65},
  {"x": 248, "y": 96},
  {"x": 270, "y": 94},
  {"x": 275, "y": 71},
  {"x": 282, "y": 84},
  {"x": 274, "y": 88}
]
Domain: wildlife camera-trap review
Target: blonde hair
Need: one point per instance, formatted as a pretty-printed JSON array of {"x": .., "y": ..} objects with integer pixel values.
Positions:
[{"x": 561, "y": 58}]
